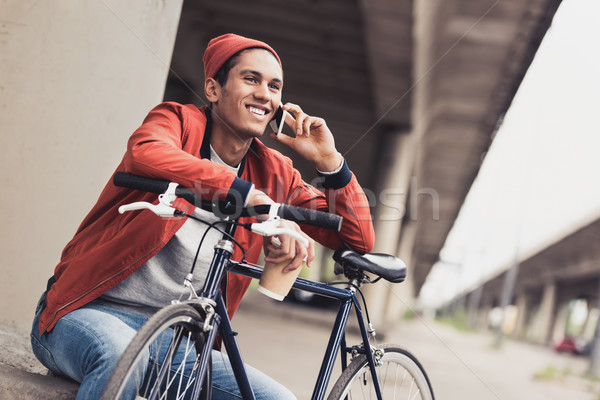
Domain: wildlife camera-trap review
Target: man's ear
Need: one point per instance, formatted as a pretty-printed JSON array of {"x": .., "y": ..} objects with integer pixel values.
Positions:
[{"x": 211, "y": 90}]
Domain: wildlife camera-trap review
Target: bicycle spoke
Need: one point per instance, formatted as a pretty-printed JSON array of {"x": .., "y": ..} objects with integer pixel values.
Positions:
[
  {"x": 399, "y": 374},
  {"x": 395, "y": 381},
  {"x": 162, "y": 361}
]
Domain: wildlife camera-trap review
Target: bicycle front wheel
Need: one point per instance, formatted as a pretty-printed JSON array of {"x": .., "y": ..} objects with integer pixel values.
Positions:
[
  {"x": 400, "y": 376},
  {"x": 163, "y": 359}
]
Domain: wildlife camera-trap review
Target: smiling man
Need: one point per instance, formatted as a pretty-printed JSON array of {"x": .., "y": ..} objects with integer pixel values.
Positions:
[{"x": 120, "y": 269}]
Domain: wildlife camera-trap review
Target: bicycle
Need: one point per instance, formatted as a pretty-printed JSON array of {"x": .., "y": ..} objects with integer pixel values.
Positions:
[{"x": 189, "y": 328}]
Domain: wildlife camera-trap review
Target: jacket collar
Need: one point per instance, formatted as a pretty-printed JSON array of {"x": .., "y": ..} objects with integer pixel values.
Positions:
[{"x": 205, "y": 148}]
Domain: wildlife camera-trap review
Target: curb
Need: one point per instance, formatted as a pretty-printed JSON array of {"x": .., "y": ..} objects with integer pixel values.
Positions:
[
  {"x": 22, "y": 377},
  {"x": 16, "y": 384}
]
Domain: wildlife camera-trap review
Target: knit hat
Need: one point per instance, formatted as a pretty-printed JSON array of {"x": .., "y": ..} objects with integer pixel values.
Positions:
[{"x": 221, "y": 48}]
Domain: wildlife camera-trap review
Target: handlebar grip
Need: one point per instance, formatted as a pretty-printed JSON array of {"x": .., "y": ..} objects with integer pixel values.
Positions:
[
  {"x": 310, "y": 217},
  {"x": 152, "y": 185},
  {"x": 143, "y": 183}
]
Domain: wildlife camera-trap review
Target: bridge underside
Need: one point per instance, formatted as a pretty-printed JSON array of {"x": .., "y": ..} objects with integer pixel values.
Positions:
[{"x": 441, "y": 74}]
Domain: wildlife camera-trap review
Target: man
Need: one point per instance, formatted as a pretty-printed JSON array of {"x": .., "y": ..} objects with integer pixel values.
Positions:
[{"x": 119, "y": 269}]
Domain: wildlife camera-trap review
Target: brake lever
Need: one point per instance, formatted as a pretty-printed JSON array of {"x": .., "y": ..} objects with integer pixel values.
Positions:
[
  {"x": 162, "y": 209},
  {"x": 159, "y": 209},
  {"x": 270, "y": 227}
]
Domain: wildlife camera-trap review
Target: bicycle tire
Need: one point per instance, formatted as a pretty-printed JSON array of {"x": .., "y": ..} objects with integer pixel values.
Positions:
[
  {"x": 173, "y": 329},
  {"x": 409, "y": 381}
]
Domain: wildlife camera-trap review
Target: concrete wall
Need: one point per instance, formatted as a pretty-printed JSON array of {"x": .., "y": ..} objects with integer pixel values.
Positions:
[{"x": 76, "y": 78}]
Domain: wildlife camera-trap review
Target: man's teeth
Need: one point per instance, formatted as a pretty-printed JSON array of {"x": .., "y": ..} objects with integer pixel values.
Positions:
[{"x": 255, "y": 110}]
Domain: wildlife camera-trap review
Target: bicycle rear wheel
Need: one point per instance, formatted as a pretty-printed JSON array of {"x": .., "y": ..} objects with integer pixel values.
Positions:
[
  {"x": 162, "y": 361},
  {"x": 400, "y": 376}
]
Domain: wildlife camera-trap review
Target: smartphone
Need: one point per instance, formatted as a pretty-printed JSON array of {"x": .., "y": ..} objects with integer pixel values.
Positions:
[{"x": 278, "y": 120}]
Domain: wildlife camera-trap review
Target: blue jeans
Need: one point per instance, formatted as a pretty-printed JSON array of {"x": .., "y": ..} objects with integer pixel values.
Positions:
[{"x": 86, "y": 344}]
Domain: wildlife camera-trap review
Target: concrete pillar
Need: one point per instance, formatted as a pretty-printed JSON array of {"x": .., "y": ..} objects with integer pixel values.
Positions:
[
  {"x": 541, "y": 330},
  {"x": 76, "y": 78},
  {"x": 481, "y": 316},
  {"x": 522, "y": 304},
  {"x": 558, "y": 324},
  {"x": 594, "y": 367},
  {"x": 507, "y": 294},
  {"x": 484, "y": 315},
  {"x": 594, "y": 320},
  {"x": 473, "y": 308},
  {"x": 591, "y": 323},
  {"x": 401, "y": 296},
  {"x": 390, "y": 198}
]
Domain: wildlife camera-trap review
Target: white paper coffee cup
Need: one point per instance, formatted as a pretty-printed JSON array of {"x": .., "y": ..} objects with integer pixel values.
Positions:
[{"x": 275, "y": 283}]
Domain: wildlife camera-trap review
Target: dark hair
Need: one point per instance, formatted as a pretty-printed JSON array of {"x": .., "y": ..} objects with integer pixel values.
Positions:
[{"x": 223, "y": 72}]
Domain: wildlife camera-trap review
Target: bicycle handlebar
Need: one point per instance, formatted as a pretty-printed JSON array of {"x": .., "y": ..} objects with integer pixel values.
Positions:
[{"x": 284, "y": 211}]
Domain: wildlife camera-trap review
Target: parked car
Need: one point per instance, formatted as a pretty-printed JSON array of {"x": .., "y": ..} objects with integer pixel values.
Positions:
[{"x": 573, "y": 346}]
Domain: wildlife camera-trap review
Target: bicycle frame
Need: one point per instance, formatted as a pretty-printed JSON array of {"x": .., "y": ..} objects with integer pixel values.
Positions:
[{"x": 347, "y": 298}]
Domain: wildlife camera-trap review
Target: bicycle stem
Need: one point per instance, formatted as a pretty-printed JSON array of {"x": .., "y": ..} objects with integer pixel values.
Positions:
[{"x": 223, "y": 251}]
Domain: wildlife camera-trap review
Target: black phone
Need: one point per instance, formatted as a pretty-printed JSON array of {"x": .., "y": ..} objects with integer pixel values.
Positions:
[{"x": 278, "y": 120}]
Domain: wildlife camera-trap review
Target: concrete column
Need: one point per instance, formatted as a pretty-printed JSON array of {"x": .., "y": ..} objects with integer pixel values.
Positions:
[
  {"x": 541, "y": 332},
  {"x": 401, "y": 296},
  {"x": 76, "y": 79},
  {"x": 591, "y": 322},
  {"x": 558, "y": 324},
  {"x": 484, "y": 315},
  {"x": 473, "y": 308},
  {"x": 522, "y": 304},
  {"x": 390, "y": 200},
  {"x": 594, "y": 315},
  {"x": 507, "y": 294}
]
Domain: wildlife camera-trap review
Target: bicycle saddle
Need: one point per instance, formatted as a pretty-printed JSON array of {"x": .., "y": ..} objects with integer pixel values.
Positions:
[{"x": 386, "y": 266}]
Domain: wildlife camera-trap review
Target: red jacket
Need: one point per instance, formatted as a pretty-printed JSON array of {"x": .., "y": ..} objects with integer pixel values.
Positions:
[{"x": 108, "y": 246}]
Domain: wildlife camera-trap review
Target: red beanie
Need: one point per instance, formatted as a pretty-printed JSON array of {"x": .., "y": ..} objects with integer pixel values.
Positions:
[{"x": 220, "y": 49}]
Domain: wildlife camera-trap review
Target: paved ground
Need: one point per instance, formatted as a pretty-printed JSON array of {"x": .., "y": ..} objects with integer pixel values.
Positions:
[
  {"x": 22, "y": 377},
  {"x": 287, "y": 342}
]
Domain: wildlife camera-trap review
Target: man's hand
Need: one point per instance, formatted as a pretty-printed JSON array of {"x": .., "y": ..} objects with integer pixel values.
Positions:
[
  {"x": 290, "y": 250},
  {"x": 258, "y": 197},
  {"x": 314, "y": 141}
]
